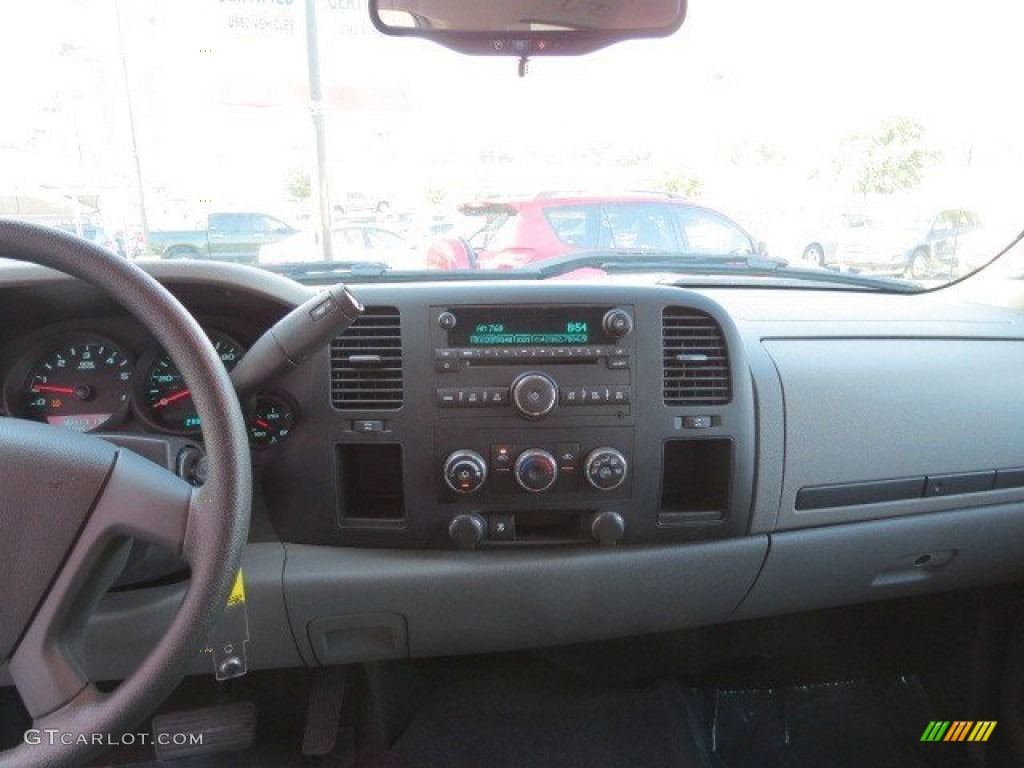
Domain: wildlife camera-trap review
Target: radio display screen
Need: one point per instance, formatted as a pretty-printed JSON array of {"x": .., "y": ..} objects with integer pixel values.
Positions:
[{"x": 566, "y": 326}]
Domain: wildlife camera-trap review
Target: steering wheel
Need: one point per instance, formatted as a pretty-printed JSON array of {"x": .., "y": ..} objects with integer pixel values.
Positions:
[{"x": 68, "y": 501}]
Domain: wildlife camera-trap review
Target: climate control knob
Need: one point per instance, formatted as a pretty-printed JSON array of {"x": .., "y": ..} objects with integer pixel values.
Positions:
[
  {"x": 536, "y": 470},
  {"x": 605, "y": 468},
  {"x": 534, "y": 395},
  {"x": 465, "y": 471}
]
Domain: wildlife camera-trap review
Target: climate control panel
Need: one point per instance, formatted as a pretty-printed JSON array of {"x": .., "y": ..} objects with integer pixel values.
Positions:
[{"x": 538, "y": 468}]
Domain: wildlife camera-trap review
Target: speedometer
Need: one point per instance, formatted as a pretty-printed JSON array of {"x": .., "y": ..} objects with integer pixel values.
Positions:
[
  {"x": 166, "y": 400},
  {"x": 78, "y": 385}
]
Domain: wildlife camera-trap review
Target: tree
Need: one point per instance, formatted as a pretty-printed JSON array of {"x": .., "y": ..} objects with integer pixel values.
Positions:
[
  {"x": 436, "y": 195},
  {"x": 298, "y": 184},
  {"x": 676, "y": 182},
  {"x": 890, "y": 158}
]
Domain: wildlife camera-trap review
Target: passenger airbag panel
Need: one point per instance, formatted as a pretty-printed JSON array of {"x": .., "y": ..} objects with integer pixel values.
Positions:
[{"x": 858, "y": 411}]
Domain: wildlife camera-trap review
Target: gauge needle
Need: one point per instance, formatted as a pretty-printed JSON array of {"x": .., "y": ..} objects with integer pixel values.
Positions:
[
  {"x": 172, "y": 398},
  {"x": 262, "y": 423},
  {"x": 51, "y": 388}
]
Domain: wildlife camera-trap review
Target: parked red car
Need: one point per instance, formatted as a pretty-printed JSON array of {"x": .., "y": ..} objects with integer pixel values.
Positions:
[{"x": 519, "y": 232}]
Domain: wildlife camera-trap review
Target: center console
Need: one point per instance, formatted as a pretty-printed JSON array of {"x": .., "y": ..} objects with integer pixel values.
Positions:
[
  {"x": 535, "y": 432},
  {"x": 465, "y": 418}
]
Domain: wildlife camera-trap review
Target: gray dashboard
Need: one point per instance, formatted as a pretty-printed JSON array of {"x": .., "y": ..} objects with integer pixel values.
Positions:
[{"x": 868, "y": 448}]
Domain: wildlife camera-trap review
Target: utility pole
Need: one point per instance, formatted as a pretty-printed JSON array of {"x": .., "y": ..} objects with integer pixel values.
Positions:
[
  {"x": 320, "y": 182},
  {"x": 140, "y": 190}
]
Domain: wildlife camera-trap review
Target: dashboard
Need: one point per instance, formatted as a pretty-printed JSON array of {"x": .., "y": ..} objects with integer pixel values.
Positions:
[{"x": 476, "y": 466}]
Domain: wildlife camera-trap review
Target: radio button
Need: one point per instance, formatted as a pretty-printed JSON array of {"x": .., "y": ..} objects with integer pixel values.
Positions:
[
  {"x": 448, "y": 398},
  {"x": 570, "y": 396},
  {"x": 617, "y": 363},
  {"x": 446, "y": 366},
  {"x": 473, "y": 397},
  {"x": 619, "y": 395},
  {"x": 446, "y": 354},
  {"x": 495, "y": 396}
]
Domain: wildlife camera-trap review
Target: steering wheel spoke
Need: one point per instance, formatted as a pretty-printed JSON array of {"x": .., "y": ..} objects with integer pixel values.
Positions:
[{"x": 139, "y": 500}]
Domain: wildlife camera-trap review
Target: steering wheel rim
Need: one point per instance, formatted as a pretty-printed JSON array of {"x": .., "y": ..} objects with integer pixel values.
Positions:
[{"x": 207, "y": 526}]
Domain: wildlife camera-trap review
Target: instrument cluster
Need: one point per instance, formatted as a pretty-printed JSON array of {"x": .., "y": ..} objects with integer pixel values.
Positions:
[{"x": 89, "y": 382}]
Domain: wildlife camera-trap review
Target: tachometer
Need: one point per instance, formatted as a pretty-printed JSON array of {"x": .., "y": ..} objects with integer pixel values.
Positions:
[
  {"x": 78, "y": 386},
  {"x": 165, "y": 398}
]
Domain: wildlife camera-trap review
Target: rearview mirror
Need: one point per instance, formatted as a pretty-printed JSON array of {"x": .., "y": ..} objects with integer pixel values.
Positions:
[{"x": 528, "y": 27}]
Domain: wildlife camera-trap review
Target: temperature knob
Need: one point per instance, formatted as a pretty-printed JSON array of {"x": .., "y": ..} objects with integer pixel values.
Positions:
[
  {"x": 465, "y": 471},
  {"x": 536, "y": 470},
  {"x": 605, "y": 469},
  {"x": 534, "y": 395}
]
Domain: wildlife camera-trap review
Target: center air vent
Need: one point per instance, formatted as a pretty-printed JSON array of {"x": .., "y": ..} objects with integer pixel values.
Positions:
[
  {"x": 366, "y": 362},
  {"x": 696, "y": 362}
]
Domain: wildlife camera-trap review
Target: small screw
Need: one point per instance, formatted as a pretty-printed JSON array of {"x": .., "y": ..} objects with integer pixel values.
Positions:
[{"x": 230, "y": 667}]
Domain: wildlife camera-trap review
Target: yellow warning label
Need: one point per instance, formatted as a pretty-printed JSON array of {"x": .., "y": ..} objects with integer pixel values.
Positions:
[{"x": 237, "y": 591}]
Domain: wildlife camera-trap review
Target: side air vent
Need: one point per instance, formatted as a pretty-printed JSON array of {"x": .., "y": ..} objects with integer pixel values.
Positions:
[
  {"x": 696, "y": 362},
  {"x": 366, "y": 362}
]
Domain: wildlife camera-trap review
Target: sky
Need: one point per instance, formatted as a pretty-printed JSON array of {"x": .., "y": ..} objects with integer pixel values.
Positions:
[{"x": 219, "y": 93}]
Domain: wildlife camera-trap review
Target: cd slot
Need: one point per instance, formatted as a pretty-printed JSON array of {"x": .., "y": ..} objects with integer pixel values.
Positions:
[{"x": 499, "y": 362}]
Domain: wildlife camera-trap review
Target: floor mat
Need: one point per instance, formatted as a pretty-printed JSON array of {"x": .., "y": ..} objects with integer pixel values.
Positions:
[
  {"x": 536, "y": 717},
  {"x": 863, "y": 724}
]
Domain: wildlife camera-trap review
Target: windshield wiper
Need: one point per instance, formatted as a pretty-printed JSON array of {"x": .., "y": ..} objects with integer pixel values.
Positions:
[{"x": 712, "y": 264}]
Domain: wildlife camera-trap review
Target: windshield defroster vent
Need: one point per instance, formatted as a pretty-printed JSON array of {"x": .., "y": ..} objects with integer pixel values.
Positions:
[
  {"x": 366, "y": 362},
  {"x": 695, "y": 358}
]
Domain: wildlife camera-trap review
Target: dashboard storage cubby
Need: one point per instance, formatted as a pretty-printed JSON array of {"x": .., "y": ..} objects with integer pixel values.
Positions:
[
  {"x": 695, "y": 481},
  {"x": 370, "y": 482}
]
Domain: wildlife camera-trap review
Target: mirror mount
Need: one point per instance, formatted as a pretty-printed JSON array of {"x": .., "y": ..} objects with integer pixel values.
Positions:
[{"x": 527, "y": 28}]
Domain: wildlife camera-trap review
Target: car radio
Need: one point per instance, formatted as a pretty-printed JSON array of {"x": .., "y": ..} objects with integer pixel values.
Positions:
[
  {"x": 541, "y": 397},
  {"x": 528, "y": 362}
]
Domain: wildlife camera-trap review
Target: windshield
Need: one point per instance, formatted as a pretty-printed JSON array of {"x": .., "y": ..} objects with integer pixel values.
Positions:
[{"x": 830, "y": 141}]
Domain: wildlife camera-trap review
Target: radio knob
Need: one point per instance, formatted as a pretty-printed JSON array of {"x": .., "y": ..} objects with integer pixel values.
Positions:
[
  {"x": 617, "y": 323},
  {"x": 605, "y": 469},
  {"x": 465, "y": 471},
  {"x": 534, "y": 395},
  {"x": 536, "y": 470}
]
